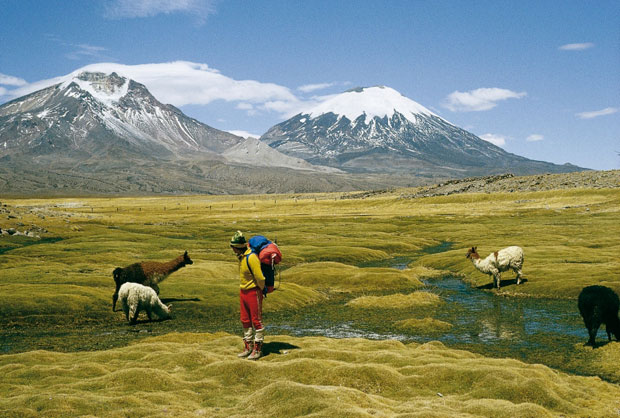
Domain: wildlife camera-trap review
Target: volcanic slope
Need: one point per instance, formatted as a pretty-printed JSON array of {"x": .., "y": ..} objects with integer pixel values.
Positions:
[
  {"x": 96, "y": 132},
  {"x": 377, "y": 129}
]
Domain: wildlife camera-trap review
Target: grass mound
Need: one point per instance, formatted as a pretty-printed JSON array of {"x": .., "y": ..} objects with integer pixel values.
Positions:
[
  {"x": 396, "y": 301},
  {"x": 199, "y": 375},
  {"x": 601, "y": 361},
  {"x": 345, "y": 278},
  {"x": 425, "y": 325}
]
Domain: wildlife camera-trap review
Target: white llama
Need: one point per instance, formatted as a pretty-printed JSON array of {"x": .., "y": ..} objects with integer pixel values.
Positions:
[
  {"x": 499, "y": 261},
  {"x": 136, "y": 297}
]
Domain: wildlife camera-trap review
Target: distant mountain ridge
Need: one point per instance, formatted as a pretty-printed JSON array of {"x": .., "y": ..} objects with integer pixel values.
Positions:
[
  {"x": 377, "y": 129},
  {"x": 102, "y": 133},
  {"x": 97, "y": 115}
]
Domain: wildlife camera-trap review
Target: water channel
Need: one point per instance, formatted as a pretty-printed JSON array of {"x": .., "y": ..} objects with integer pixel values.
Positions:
[{"x": 530, "y": 329}]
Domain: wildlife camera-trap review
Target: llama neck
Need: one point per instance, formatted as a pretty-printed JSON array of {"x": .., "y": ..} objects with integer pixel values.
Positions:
[
  {"x": 160, "y": 271},
  {"x": 174, "y": 265},
  {"x": 482, "y": 265}
]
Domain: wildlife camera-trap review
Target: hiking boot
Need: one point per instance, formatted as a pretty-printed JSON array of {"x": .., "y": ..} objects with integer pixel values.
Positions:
[
  {"x": 247, "y": 349},
  {"x": 256, "y": 353}
]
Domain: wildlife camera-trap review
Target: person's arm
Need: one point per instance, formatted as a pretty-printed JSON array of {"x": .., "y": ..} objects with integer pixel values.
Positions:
[{"x": 256, "y": 270}]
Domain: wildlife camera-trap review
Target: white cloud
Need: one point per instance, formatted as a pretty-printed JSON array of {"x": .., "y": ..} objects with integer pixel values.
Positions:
[
  {"x": 576, "y": 47},
  {"x": 534, "y": 138},
  {"x": 286, "y": 108},
  {"x": 494, "y": 139},
  {"x": 479, "y": 99},
  {"x": 597, "y": 113},
  {"x": 244, "y": 134},
  {"x": 86, "y": 51},
  {"x": 126, "y": 9},
  {"x": 183, "y": 83},
  {"x": 308, "y": 88},
  {"x": 9, "y": 80},
  {"x": 3, "y": 91},
  {"x": 248, "y": 107}
]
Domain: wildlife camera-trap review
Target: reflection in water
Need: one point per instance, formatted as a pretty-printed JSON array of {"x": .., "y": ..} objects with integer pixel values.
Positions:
[
  {"x": 531, "y": 329},
  {"x": 526, "y": 328},
  {"x": 509, "y": 319}
]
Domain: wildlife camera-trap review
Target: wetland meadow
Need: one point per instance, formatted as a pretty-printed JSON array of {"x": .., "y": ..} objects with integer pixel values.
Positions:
[{"x": 377, "y": 312}]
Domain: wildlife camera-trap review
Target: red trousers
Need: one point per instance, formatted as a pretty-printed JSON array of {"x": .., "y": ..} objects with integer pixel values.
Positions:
[{"x": 251, "y": 308}]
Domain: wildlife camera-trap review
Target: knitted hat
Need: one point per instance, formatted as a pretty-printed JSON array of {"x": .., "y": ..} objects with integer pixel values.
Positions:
[{"x": 238, "y": 240}]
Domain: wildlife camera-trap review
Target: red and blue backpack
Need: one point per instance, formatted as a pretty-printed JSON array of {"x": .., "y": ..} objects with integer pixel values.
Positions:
[{"x": 269, "y": 255}]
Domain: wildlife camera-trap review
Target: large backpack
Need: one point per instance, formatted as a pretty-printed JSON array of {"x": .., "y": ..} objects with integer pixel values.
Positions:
[{"x": 269, "y": 255}]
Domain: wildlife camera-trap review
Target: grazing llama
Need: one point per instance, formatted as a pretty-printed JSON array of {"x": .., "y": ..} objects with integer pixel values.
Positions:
[
  {"x": 499, "y": 261},
  {"x": 599, "y": 305},
  {"x": 148, "y": 273},
  {"x": 135, "y": 297}
]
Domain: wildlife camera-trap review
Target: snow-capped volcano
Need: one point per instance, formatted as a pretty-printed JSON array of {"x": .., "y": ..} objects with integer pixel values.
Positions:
[
  {"x": 91, "y": 113},
  {"x": 95, "y": 114},
  {"x": 370, "y": 102},
  {"x": 377, "y": 129}
]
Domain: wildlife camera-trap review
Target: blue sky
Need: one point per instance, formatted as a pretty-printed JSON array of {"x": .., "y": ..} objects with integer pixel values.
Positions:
[{"x": 539, "y": 78}]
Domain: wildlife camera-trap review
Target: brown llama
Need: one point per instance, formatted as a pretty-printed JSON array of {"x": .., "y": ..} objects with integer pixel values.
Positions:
[{"x": 147, "y": 273}]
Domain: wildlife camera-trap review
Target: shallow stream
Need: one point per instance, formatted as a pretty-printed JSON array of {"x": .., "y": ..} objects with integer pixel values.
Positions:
[{"x": 530, "y": 329}]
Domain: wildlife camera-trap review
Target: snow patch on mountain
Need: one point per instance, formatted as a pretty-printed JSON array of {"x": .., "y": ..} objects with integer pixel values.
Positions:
[
  {"x": 106, "y": 89},
  {"x": 370, "y": 102}
]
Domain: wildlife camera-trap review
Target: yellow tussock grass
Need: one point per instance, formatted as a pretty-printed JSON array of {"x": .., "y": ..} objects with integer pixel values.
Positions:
[
  {"x": 425, "y": 325},
  {"x": 200, "y": 375},
  {"x": 396, "y": 301}
]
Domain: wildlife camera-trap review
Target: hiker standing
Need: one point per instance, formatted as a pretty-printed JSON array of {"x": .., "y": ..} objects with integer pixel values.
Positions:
[{"x": 250, "y": 296}]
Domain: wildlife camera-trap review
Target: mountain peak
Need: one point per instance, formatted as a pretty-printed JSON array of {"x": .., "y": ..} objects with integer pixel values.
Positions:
[
  {"x": 107, "y": 88},
  {"x": 370, "y": 102}
]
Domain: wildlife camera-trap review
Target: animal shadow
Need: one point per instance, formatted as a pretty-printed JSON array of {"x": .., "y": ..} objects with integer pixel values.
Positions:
[
  {"x": 169, "y": 300},
  {"x": 491, "y": 286},
  {"x": 276, "y": 347},
  {"x": 149, "y": 321}
]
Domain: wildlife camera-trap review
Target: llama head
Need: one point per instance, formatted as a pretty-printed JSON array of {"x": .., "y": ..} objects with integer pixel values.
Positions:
[
  {"x": 186, "y": 259},
  {"x": 472, "y": 253},
  {"x": 117, "y": 275}
]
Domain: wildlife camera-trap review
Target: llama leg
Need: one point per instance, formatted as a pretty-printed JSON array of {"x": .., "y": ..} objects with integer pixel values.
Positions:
[
  {"x": 133, "y": 314},
  {"x": 148, "y": 313},
  {"x": 114, "y": 299},
  {"x": 126, "y": 310},
  {"x": 497, "y": 278},
  {"x": 519, "y": 274},
  {"x": 593, "y": 327}
]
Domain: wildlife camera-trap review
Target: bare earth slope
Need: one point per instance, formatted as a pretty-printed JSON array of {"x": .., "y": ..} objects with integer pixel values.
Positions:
[{"x": 508, "y": 183}]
